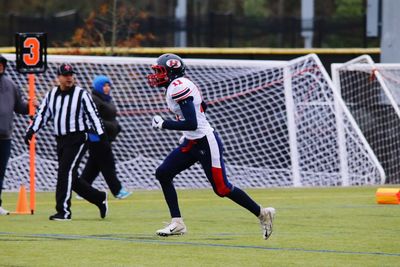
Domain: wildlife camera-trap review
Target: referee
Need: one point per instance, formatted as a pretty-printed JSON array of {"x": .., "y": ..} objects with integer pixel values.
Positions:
[{"x": 73, "y": 113}]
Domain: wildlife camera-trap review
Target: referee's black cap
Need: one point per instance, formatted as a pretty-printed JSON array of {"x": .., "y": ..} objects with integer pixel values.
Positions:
[{"x": 65, "y": 69}]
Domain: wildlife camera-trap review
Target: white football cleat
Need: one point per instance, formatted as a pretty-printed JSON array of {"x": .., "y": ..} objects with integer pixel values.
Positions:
[
  {"x": 175, "y": 227},
  {"x": 266, "y": 220},
  {"x": 4, "y": 211}
]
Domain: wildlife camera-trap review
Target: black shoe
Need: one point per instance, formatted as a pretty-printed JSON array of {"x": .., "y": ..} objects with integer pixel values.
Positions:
[
  {"x": 60, "y": 217},
  {"x": 103, "y": 207}
]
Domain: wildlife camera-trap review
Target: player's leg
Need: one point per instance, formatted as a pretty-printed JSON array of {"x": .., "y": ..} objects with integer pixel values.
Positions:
[
  {"x": 174, "y": 163},
  {"x": 213, "y": 164}
]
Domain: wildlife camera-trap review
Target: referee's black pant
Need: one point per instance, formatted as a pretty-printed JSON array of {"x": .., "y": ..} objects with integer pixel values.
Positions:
[{"x": 70, "y": 150}]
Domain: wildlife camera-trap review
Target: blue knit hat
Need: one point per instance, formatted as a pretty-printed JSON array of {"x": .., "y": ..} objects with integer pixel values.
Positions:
[{"x": 99, "y": 82}]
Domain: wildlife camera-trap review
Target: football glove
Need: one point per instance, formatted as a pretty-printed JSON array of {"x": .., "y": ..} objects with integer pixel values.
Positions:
[
  {"x": 157, "y": 122},
  {"x": 104, "y": 137}
]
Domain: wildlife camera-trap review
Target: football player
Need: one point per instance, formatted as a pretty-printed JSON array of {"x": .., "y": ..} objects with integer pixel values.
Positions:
[{"x": 199, "y": 143}]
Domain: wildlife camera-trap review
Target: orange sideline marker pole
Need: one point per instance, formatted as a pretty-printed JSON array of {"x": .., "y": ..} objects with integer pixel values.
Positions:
[{"x": 32, "y": 152}]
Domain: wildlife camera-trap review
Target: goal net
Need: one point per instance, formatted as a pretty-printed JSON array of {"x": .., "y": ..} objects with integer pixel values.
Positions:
[
  {"x": 372, "y": 93},
  {"x": 282, "y": 124}
]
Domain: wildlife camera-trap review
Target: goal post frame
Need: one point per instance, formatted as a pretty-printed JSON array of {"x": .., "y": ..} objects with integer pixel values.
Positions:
[
  {"x": 369, "y": 66},
  {"x": 257, "y": 80}
]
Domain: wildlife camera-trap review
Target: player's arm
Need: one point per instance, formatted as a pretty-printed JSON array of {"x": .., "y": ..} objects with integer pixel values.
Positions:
[{"x": 188, "y": 124}]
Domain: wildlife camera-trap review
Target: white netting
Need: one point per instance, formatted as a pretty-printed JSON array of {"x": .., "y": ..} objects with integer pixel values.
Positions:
[
  {"x": 248, "y": 107},
  {"x": 331, "y": 149},
  {"x": 372, "y": 93}
]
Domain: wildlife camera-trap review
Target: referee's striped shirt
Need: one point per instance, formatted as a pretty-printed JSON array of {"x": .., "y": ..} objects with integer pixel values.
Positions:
[{"x": 71, "y": 111}]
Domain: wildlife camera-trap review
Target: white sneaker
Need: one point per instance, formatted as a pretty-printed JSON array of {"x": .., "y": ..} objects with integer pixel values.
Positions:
[
  {"x": 4, "y": 212},
  {"x": 175, "y": 227},
  {"x": 266, "y": 220}
]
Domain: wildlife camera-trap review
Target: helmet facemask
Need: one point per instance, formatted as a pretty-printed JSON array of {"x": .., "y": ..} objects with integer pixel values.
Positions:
[
  {"x": 159, "y": 78},
  {"x": 168, "y": 68}
]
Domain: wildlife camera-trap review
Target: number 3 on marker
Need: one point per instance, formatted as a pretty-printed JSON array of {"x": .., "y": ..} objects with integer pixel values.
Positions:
[{"x": 32, "y": 58}]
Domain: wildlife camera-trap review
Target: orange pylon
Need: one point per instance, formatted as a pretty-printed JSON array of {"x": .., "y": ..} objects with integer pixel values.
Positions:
[
  {"x": 388, "y": 195},
  {"x": 22, "y": 204}
]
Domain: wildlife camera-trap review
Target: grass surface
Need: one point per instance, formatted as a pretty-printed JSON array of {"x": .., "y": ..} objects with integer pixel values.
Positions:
[{"x": 313, "y": 227}]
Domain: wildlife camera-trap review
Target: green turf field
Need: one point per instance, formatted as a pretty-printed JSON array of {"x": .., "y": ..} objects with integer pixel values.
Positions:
[{"x": 313, "y": 227}]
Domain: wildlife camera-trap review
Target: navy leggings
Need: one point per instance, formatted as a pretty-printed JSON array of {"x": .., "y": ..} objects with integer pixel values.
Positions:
[{"x": 208, "y": 151}]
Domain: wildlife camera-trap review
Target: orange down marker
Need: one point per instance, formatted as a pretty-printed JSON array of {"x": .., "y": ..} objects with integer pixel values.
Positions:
[{"x": 388, "y": 196}]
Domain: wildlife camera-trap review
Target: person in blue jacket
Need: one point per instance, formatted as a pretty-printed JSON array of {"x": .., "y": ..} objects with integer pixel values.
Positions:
[{"x": 101, "y": 158}]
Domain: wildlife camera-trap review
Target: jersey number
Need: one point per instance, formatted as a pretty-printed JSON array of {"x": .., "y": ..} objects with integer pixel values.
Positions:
[{"x": 177, "y": 82}]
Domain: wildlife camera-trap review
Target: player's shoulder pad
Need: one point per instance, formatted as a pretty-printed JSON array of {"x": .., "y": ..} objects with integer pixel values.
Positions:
[{"x": 180, "y": 89}]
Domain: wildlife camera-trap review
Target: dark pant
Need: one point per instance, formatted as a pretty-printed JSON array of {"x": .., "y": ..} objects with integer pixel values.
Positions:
[
  {"x": 5, "y": 151},
  {"x": 101, "y": 159},
  {"x": 70, "y": 149},
  {"x": 209, "y": 152},
  {"x": 191, "y": 151}
]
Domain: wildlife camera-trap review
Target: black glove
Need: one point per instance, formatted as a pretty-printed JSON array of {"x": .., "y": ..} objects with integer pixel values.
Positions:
[
  {"x": 103, "y": 137},
  {"x": 28, "y": 136}
]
